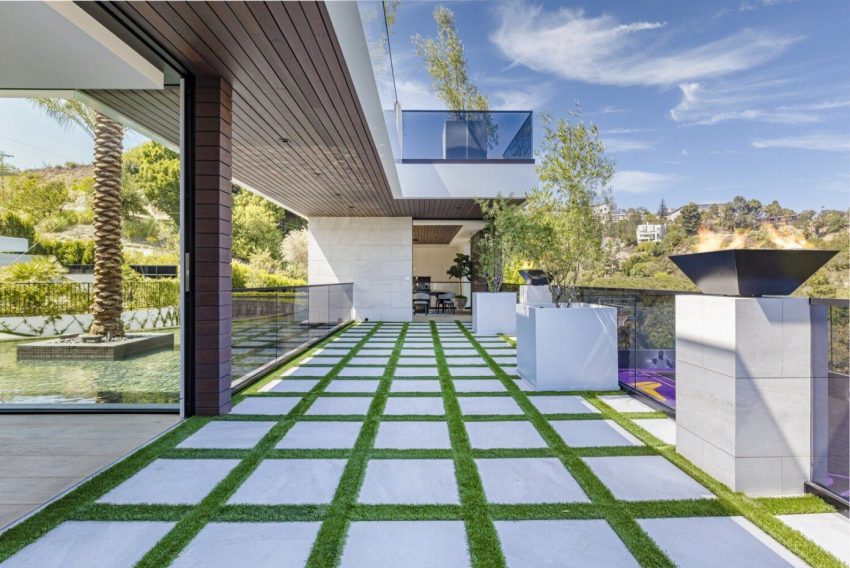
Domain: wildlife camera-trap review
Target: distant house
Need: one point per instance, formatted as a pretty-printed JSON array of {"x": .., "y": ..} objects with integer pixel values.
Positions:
[
  {"x": 701, "y": 207},
  {"x": 650, "y": 232},
  {"x": 604, "y": 212}
]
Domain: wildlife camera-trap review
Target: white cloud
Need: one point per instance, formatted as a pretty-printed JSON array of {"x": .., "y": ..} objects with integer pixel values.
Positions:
[
  {"x": 824, "y": 142},
  {"x": 750, "y": 101},
  {"x": 532, "y": 97},
  {"x": 636, "y": 181},
  {"x": 602, "y": 50},
  {"x": 750, "y": 5},
  {"x": 618, "y": 145},
  {"x": 416, "y": 95}
]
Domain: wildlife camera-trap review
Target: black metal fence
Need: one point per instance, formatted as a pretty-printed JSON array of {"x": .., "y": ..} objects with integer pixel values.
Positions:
[{"x": 58, "y": 298}]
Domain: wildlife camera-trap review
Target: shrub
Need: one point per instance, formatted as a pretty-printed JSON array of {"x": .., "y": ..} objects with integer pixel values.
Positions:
[
  {"x": 38, "y": 269},
  {"x": 68, "y": 252},
  {"x": 13, "y": 225}
]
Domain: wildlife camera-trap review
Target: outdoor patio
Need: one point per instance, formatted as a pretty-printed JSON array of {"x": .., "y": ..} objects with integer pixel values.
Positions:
[{"x": 414, "y": 445}]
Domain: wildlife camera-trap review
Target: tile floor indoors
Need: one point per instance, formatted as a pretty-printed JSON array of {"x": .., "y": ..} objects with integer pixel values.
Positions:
[{"x": 409, "y": 445}]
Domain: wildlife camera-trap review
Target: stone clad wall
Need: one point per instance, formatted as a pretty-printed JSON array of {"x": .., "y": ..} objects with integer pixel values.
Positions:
[{"x": 375, "y": 253}]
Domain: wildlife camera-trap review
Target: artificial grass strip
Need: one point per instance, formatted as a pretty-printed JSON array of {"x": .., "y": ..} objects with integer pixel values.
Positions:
[
  {"x": 483, "y": 540},
  {"x": 328, "y": 547},
  {"x": 805, "y": 504},
  {"x": 751, "y": 508}
]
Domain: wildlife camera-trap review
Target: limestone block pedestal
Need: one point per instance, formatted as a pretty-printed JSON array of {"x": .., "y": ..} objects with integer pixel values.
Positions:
[
  {"x": 530, "y": 295},
  {"x": 744, "y": 372}
]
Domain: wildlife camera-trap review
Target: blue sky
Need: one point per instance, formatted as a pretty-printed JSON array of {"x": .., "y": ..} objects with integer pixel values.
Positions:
[{"x": 696, "y": 101}]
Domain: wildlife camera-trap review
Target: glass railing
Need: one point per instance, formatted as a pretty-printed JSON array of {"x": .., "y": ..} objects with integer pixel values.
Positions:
[
  {"x": 434, "y": 136},
  {"x": 831, "y": 406},
  {"x": 269, "y": 324},
  {"x": 646, "y": 334}
]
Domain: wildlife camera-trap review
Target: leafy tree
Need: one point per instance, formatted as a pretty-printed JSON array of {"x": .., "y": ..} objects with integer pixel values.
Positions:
[
  {"x": 463, "y": 267},
  {"x": 560, "y": 234},
  {"x": 493, "y": 244},
  {"x": 156, "y": 171},
  {"x": 34, "y": 197},
  {"x": 690, "y": 218},
  {"x": 254, "y": 226},
  {"x": 108, "y": 136},
  {"x": 446, "y": 61},
  {"x": 293, "y": 252},
  {"x": 662, "y": 209}
]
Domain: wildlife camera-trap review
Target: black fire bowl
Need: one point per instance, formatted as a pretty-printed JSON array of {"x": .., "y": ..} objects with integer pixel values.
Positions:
[{"x": 751, "y": 273}]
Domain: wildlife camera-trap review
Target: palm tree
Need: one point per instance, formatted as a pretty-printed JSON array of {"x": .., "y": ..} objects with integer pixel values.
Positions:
[{"x": 108, "y": 138}]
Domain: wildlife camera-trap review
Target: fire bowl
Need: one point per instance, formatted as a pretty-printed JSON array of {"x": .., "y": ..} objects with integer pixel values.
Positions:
[{"x": 757, "y": 272}]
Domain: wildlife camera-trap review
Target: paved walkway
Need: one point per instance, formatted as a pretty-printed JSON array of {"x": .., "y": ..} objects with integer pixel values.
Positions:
[{"x": 410, "y": 446}]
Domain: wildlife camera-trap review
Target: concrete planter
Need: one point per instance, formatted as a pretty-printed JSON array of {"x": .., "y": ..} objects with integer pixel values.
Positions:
[
  {"x": 494, "y": 313},
  {"x": 571, "y": 348},
  {"x": 531, "y": 295}
]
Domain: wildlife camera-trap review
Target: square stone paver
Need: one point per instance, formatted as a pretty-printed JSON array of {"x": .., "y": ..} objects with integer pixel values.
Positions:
[
  {"x": 418, "y": 405},
  {"x": 528, "y": 480},
  {"x": 426, "y": 361},
  {"x": 268, "y": 405},
  {"x": 348, "y": 385},
  {"x": 171, "y": 482},
  {"x": 450, "y": 352},
  {"x": 662, "y": 428},
  {"x": 418, "y": 353},
  {"x": 514, "y": 434},
  {"x": 234, "y": 545},
  {"x": 593, "y": 433},
  {"x": 332, "y": 351},
  {"x": 466, "y": 361},
  {"x": 415, "y": 385},
  {"x": 625, "y": 403},
  {"x": 562, "y": 404},
  {"x": 409, "y": 482},
  {"x": 478, "y": 385},
  {"x": 321, "y": 361},
  {"x": 230, "y": 434},
  {"x": 290, "y": 385},
  {"x": 827, "y": 530},
  {"x": 562, "y": 543},
  {"x": 645, "y": 478},
  {"x": 412, "y": 544},
  {"x": 366, "y": 360},
  {"x": 703, "y": 542},
  {"x": 321, "y": 436},
  {"x": 505, "y": 361},
  {"x": 471, "y": 372},
  {"x": 84, "y": 544},
  {"x": 375, "y": 352},
  {"x": 416, "y": 372},
  {"x": 484, "y": 405},
  {"x": 413, "y": 435},
  {"x": 340, "y": 405},
  {"x": 361, "y": 372},
  {"x": 291, "y": 482},
  {"x": 308, "y": 371}
]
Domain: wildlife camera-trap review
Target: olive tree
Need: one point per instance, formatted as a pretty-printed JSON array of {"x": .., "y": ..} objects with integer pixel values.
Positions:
[
  {"x": 558, "y": 230},
  {"x": 493, "y": 244}
]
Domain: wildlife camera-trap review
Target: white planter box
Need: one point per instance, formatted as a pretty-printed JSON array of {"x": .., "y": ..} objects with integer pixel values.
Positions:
[
  {"x": 494, "y": 313},
  {"x": 571, "y": 348}
]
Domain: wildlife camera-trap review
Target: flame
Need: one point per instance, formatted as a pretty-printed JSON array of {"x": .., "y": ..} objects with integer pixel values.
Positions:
[{"x": 780, "y": 237}]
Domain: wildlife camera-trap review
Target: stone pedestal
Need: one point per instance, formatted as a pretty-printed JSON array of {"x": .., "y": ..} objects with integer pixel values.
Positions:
[
  {"x": 530, "y": 295},
  {"x": 744, "y": 371}
]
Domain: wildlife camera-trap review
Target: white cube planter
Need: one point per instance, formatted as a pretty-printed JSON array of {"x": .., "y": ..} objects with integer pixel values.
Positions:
[
  {"x": 532, "y": 295},
  {"x": 494, "y": 313},
  {"x": 571, "y": 348}
]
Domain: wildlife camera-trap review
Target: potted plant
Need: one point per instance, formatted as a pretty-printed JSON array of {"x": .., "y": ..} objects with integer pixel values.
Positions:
[
  {"x": 463, "y": 267},
  {"x": 566, "y": 345},
  {"x": 494, "y": 311}
]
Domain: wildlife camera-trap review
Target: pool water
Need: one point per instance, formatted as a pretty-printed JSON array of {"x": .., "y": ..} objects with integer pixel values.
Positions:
[{"x": 150, "y": 378}]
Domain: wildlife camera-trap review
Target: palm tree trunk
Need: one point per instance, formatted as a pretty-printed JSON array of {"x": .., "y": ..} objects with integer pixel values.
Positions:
[{"x": 107, "y": 306}]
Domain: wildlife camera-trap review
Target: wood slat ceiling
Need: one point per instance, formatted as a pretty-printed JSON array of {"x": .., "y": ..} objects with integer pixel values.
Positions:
[
  {"x": 289, "y": 81},
  {"x": 435, "y": 234}
]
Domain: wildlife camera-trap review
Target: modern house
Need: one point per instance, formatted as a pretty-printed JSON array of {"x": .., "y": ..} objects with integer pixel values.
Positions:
[
  {"x": 650, "y": 232},
  {"x": 354, "y": 435}
]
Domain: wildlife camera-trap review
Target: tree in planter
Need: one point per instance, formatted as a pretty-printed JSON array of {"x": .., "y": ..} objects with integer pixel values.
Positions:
[
  {"x": 108, "y": 138},
  {"x": 558, "y": 231},
  {"x": 463, "y": 267},
  {"x": 493, "y": 243}
]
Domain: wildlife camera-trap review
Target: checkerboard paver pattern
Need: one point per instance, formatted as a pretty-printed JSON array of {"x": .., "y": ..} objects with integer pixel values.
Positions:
[{"x": 414, "y": 444}]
